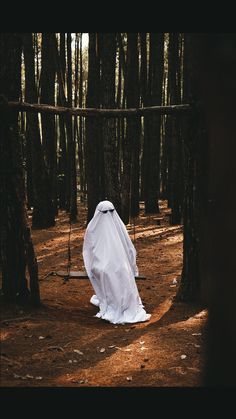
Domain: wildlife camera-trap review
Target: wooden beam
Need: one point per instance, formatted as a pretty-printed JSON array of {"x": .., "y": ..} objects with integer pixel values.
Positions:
[{"x": 109, "y": 113}]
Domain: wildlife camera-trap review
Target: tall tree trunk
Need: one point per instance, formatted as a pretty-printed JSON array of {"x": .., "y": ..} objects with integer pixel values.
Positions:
[
  {"x": 194, "y": 139},
  {"x": 144, "y": 102},
  {"x": 122, "y": 121},
  {"x": 42, "y": 202},
  {"x": 76, "y": 88},
  {"x": 217, "y": 69},
  {"x": 175, "y": 143},
  {"x": 119, "y": 120},
  {"x": 127, "y": 140},
  {"x": 70, "y": 137},
  {"x": 108, "y": 60},
  {"x": 63, "y": 152},
  {"x": 168, "y": 131},
  {"x": 135, "y": 173},
  {"x": 81, "y": 123},
  {"x": 152, "y": 149},
  {"x": 16, "y": 249},
  {"x": 133, "y": 125},
  {"x": 164, "y": 160},
  {"x": 93, "y": 129},
  {"x": 48, "y": 121}
]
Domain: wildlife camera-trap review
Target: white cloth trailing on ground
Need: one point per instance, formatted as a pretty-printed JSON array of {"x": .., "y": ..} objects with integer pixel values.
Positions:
[{"x": 110, "y": 261}]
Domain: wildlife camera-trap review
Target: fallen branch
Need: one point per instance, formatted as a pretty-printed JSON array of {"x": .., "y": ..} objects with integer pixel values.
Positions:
[{"x": 61, "y": 110}]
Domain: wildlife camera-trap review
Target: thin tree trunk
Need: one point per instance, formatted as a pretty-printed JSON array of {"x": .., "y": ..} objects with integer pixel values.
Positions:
[
  {"x": 162, "y": 136},
  {"x": 63, "y": 156},
  {"x": 152, "y": 149},
  {"x": 127, "y": 146},
  {"x": 48, "y": 121},
  {"x": 133, "y": 100},
  {"x": 81, "y": 123},
  {"x": 108, "y": 59},
  {"x": 175, "y": 181},
  {"x": 93, "y": 129},
  {"x": 71, "y": 141},
  {"x": 42, "y": 203},
  {"x": 37, "y": 72},
  {"x": 29, "y": 169},
  {"x": 119, "y": 120},
  {"x": 143, "y": 97}
]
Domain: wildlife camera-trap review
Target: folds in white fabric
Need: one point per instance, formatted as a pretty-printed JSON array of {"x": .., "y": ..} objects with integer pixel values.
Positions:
[{"x": 110, "y": 261}]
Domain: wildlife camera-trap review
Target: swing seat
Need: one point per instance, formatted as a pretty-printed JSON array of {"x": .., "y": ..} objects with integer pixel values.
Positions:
[
  {"x": 73, "y": 274},
  {"x": 82, "y": 275}
]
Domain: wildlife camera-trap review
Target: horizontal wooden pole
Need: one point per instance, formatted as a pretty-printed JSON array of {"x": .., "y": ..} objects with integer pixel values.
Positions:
[{"x": 60, "y": 110}]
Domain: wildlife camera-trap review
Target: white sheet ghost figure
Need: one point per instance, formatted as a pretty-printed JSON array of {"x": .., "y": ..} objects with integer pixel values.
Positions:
[{"x": 110, "y": 261}]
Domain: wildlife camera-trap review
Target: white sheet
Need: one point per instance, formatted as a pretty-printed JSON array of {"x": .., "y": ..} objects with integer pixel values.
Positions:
[{"x": 110, "y": 261}]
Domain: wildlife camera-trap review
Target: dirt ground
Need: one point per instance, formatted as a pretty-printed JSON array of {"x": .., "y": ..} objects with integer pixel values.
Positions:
[{"x": 62, "y": 344}]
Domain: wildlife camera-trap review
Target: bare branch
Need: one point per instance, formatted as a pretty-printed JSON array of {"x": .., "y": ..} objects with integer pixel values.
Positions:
[{"x": 60, "y": 110}]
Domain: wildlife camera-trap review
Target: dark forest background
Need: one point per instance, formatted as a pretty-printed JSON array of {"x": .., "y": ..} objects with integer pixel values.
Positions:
[{"x": 51, "y": 161}]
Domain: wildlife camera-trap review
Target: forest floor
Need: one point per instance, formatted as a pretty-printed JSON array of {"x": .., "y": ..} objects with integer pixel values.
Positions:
[{"x": 62, "y": 344}]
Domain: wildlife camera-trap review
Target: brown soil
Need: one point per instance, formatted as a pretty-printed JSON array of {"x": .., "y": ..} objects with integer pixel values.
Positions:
[{"x": 62, "y": 344}]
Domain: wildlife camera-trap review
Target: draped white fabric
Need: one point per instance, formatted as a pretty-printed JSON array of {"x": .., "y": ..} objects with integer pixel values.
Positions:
[{"x": 110, "y": 261}]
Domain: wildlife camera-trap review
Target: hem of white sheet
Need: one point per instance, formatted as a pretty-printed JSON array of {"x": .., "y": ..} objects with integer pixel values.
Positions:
[{"x": 141, "y": 316}]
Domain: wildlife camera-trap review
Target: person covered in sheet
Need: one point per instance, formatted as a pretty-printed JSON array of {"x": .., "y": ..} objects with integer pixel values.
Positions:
[{"x": 110, "y": 261}]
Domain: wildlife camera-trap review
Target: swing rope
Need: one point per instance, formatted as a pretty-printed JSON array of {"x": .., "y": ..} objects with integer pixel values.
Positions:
[
  {"x": 134, "y": 229},
  {"x": 66, "y": 278}
]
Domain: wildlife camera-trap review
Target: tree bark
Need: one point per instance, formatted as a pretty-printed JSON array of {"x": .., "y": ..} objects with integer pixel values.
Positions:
[
  {"x": 42, "y": 203},
  {"x": 217, "y": 69},
  {"x": 133, "y": 125},
  {"x": 48, "y": 121},
  {"x": 14, "y": 229},
  {"x": 175, "y": 142},
  {"x": 93, "y": 132},
  {"x": 130, "y": 84},
  {"x": 72, "y": 181},
  {"x": 195, "y": 170},
  {"x": 164, "y": 155},
  {"x": 63, "y": 152},
  {"x": 143, "y": 98},
  {"x": 108, "y": 60},
  {"x": 81, "y": 123},
  {"x": 152, "y": 148}
]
